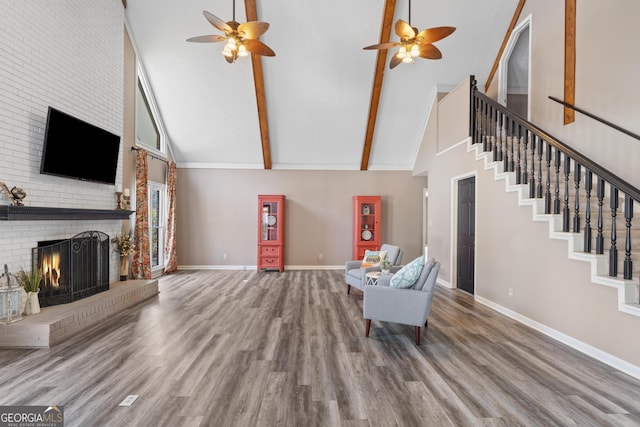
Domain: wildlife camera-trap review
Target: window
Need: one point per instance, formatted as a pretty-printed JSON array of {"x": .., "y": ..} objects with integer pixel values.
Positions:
[
  {"x": 149, "y": 133},
  {"x": 157, "y": 221}
]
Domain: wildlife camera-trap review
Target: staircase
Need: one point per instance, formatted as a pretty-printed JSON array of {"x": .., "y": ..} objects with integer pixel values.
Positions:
[{"x": 570, "y": 192}]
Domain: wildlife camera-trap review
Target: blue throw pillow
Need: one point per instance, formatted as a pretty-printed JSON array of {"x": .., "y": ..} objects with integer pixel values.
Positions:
[{"x": 407, "y": 276}]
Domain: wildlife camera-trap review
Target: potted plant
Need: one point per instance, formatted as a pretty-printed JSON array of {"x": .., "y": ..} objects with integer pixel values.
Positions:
[
  {"x": 125, "y": 245},
  {"x": 30, "y": 282},
  {"x": 385, "y": 265}
]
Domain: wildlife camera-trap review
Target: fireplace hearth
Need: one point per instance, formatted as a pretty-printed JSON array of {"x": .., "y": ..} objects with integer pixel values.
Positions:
[{"x": 73, "y": 268}]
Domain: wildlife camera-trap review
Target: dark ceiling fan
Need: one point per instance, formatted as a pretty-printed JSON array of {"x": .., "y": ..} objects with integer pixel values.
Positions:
[
  {"x": 241, "y": 39},
  {"x": 414, "y": 43}
]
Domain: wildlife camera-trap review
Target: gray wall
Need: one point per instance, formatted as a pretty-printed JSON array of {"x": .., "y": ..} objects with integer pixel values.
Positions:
[
  {"x": 550, "y": 291},
  {"x": 607, "y": 67},
  {"x": 218, "y": 213}
]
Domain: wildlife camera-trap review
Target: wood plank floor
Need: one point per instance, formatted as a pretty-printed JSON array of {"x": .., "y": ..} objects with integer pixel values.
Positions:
[{"x": 241, "y": 348}]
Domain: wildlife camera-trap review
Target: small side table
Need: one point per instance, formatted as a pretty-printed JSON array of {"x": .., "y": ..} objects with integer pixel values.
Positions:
[{"x": 372, "y": 278}]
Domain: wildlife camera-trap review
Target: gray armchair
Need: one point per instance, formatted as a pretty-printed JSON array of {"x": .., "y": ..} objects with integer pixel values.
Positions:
[
  {"x": 405, "y": 306},
  {"x": 354, "y": 274}
]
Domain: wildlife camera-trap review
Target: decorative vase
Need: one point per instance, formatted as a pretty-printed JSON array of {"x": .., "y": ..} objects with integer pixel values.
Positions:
[
  {"x": 33, "y": 304},
  {"x": 124, "y": 267}
]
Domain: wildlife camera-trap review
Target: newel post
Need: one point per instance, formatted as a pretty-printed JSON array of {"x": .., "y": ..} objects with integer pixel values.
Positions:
[{"x": 472, "y": 107}]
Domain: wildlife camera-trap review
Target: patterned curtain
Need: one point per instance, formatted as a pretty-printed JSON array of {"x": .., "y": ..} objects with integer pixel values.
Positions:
[
  {"x": 170, "y": 256},
  {"x": 141, "y": 264}
]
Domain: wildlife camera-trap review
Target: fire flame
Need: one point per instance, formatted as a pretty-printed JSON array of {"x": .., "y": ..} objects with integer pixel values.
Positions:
[{"x": 51, "y": 269}]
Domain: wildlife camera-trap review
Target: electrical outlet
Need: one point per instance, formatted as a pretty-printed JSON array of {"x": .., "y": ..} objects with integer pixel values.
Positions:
[
  {"x": 510, "y": 292},
  {"x": 320, "y": 256},
  {"x": 224, "y": 255}
]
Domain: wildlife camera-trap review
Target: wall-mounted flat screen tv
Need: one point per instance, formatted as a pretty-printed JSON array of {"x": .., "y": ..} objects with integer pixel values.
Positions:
[{"x": 76, "y": 149}]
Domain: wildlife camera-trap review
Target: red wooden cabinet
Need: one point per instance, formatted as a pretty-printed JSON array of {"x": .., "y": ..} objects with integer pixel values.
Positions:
[
  {"x": 271, "y": 232},
  {"x": 366, "y": 225}
]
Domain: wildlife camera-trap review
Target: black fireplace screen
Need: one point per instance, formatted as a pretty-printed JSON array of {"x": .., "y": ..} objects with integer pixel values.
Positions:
[{"x": 73, "y": 268}]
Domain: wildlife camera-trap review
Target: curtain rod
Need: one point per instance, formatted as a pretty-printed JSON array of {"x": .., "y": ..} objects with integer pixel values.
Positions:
[{"x": 151, "y": 155}]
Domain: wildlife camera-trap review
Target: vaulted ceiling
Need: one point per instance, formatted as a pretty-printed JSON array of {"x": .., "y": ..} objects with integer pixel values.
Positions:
[{"x": 310, "y": 106}]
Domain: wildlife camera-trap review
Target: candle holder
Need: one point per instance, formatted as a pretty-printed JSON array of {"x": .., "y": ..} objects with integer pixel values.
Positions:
[
  {"x": 118, "y": 200},
  {"x": 126, "y": 202}
]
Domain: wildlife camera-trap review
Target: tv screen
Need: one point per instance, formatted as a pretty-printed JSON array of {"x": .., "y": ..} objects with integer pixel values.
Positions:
[{"x": 76, "y": 149}]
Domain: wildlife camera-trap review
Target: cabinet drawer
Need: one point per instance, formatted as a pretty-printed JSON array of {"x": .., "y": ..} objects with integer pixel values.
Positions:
[
  {"x": 269, "y": 262},
  {"x": 270, "y": 250}
]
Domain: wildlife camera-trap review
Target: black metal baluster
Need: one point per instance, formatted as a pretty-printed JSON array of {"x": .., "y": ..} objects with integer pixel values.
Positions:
[
  {"x": 503, "y": 137},
  {"x": 628, "y": 214},
  {"x": 576, "y": 203},
  {"x": 556, "y": 200},
  {"x": 539, "y": 187},
  {"x": 512, "y": 146},
  {"x": 532, "y": 177},
  {"x": 494, "y": 141},
  {"x": 565, "y": 212},
  {"x": 525, "y": 172},
  {"x": 588, "y": 182},
  {"x": 485, "y": 127},
  {"x": 472, "y": 122},
  {"x": 518, "y": 165},
  {"x": 547, "y": 193},
  {"x": 505, "y": 145},
  {"x": 599, "y": 236},
  {"x": 613, "y": 250},
  {"x": 497, "y": 146},
  {"x": 474, "y": 116},
  {"x": 479, "y": 119},
  {"x": 491, "y": 131}
]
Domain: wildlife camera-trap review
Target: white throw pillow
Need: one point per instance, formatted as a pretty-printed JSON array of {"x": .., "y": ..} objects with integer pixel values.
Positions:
[
  {"x": 373, "y": 258},
  {"x": 407, "y": 276}
]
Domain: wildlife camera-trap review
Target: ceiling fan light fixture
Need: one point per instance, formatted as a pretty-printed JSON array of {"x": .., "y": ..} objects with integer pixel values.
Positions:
[
  {"x": 240, "y": 39},
  {"x": 413, "y": 43},
  {"x": 231, "y": 44}
]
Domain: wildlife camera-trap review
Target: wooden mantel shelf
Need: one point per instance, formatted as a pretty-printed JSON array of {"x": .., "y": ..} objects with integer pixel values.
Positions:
[{"x": 30, "y": 213}]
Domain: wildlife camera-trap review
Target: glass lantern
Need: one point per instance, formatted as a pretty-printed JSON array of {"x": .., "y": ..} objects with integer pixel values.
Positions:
[{"x": 9, "y": 299}]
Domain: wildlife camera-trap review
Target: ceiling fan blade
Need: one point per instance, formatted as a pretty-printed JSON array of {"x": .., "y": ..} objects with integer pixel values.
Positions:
[
  {"x": 404, "y": 30},
  {"x": 252, "y": 29},
  {"x": 207, "y": 39},
  {"x": 259, "y": 48},
  {"x": 394, "y": 61},
  {"x": 216, "y": 22},
  {"x": 431, "y": 35},
  {"x": 429, "y": 51},
  {"x": 382, "y": 46}
]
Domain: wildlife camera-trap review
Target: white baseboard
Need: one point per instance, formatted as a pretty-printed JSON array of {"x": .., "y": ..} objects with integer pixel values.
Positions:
[
  {"x": 444, "y": 283},
  {"x": 255, "y": 267},
  {"x": 217, "y": 267},
  {"x": 587, "y": 349}
]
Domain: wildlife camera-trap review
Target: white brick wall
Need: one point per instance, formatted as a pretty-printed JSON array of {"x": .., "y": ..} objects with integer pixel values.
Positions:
[{"x": 67, "y": 54}]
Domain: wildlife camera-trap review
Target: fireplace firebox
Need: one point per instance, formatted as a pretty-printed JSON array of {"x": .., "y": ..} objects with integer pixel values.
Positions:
[{"x": 73, "y": 268}]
